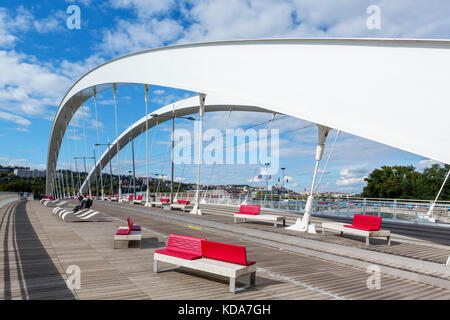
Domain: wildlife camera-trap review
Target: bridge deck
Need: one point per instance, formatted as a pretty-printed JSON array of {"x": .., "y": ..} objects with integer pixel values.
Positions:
[{"x": 38, "y": 248}]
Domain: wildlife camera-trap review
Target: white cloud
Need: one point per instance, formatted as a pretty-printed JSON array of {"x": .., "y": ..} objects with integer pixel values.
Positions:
[
  {"x": 353, "y": 176},
  {"x": 28, "y": 88},
  {"x": 13, "y": 118},
  {"x": 426, "y": 163}
]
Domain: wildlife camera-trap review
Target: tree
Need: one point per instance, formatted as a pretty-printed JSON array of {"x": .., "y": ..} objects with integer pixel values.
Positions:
[{"x": 404, "y": 182}]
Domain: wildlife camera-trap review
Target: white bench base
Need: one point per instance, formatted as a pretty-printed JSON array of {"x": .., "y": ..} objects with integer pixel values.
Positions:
[
  {"x": 123, "y": 241},
  {"x": 226, "y": 269},
  {"x": 158, "y": 204},
  {"x": 337, "y": 226},
  {"x": 261, "y": 217},
  {"x": 182, "y": 207}
]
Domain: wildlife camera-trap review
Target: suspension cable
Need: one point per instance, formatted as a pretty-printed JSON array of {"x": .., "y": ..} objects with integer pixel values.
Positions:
[
  {"x": 98, "y": 142},
  {"x": 326, "y": 163}
]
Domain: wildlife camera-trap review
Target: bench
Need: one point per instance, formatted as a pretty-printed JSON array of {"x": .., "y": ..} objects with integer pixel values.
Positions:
[
  {"x": 365, "y": 226},
  {"x": 160, "y": 203},
  {"x": 213, "y": 257},
  {"x": 129, "y": 199},
  {"x": 138, "y": 200},
  {"x": 252, "y": 212},
  {"x": 116, "y": 198},
  {"x": 124, "y": 235},
  {"x": 182, "y": 205}
]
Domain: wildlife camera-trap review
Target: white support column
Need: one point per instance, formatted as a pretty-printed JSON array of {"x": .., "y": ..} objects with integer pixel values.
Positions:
[
  {"x": 196, "y": 209},
  {"x": 303, "y": 225},
  {"x": 147, "y": 194},
  {"x": 429, "y": 215},
  {"x": 98, "y": 143},
  {"x": 118, "y": 148}
]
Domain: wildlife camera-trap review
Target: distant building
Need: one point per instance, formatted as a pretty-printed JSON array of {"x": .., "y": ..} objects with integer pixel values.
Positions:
[{"x": 27, "y": 173}]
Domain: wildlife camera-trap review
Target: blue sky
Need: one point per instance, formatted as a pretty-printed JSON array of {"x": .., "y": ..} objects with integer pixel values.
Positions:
[{"x": 40, "y": 58}]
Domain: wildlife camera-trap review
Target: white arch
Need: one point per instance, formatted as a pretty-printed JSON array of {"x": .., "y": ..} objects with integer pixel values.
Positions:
[
  {"x": 391, "y": 91},
  {"x": 181, "y": 108}
]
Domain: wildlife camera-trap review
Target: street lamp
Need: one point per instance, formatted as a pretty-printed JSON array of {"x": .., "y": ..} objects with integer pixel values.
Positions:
[
  {"x": 173, "y": 145},
  {"x": 85, "y": 169},
  {"x": 267, "y": 164},
  {"x": 110, "y": 165}
]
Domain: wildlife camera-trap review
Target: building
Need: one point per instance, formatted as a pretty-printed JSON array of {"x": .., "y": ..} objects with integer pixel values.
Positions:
[{"x": 27, "y": 173}]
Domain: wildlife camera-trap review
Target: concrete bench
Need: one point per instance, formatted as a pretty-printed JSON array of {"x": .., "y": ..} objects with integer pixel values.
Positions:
[
  {"x": 213, "y": 257},
  {"x": 129, "y": 199},
  {"x": 124, "y": 235},
  {"x": 364, "y": 226},
  {"x": 251, "y": 212},
  {"x": 138, "y": 200},
  {"x": 160, "y": 203},
  {"x": 183, "y": 205}
]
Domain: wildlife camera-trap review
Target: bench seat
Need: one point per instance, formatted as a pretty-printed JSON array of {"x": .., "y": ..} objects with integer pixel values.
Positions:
[
  {"x": 207, "y": 256},
  {"x": 262, "y": 217},
  {"x": 252, "y": 212},
  {"x": 179, "y": 254},
  {"x": 226, "y": 269},
  {"x": 342, "y": 228},
  {"x": 183, "y": 205},
  {"x": 124, "y": 235}
]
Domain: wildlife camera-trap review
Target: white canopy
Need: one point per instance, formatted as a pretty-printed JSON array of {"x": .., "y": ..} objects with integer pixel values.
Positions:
[{"x": 390, "y": 91}]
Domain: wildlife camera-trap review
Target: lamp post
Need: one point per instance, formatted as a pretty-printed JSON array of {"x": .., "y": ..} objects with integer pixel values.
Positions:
[
  {"x": 267, "y": 164},
  {"x": 173, "y": 145},
  {"x": 129, "y": 180},
  {"x": 85, "y": 169},
  {"x": 110, "y": 165}
]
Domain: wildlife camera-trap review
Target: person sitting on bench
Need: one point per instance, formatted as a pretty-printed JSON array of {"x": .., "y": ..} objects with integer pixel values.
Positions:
[{"x": 84, "y": 204}]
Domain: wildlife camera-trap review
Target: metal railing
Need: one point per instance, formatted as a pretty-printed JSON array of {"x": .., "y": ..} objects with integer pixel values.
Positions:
[{"x": 400, "y": 209}]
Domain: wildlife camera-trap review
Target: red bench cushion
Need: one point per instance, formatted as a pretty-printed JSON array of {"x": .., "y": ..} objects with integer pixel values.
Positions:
[
  {"x": 123, "y": 232},
  {"x": 183, "y": 202},
  {"x": 367, "y": 223},
  {"x": 130, "y": 197},
  {"x": 179, "y": 254},
  {"x": 225, "y": 252},
  {"x": 139, "y": 197},
  {"x": 184, "y": 247},
  {"x": 164, "y": 200},
  {"x": 249, "y": 209}
]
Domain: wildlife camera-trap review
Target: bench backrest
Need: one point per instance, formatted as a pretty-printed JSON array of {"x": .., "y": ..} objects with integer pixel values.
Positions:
[
  {"x": 369, "y": 222},
  {"x": 130, "y": 223},
  {"x": 164, "y": 200},
  {"x": 249, "y": 209},
  {"x": 183, "y": 202},
  {"x": 186, "y": 244},
  {"x": 224, "y": 252},
  {"x": 139, "y": 197}
]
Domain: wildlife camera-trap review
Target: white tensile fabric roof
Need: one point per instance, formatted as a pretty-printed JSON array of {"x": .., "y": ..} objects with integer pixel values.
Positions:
[{"x": 391, "y": 91}]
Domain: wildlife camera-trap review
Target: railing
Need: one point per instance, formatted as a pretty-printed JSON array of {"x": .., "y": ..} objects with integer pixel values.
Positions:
[
  {"x": 7, "y": 197},
  {"x": 400, "y": 209}
]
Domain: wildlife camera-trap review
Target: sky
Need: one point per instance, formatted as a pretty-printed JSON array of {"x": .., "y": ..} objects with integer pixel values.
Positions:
[{"x": 41, "y": 57}]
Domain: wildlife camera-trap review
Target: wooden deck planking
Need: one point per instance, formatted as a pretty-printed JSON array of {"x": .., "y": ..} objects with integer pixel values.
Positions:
[
  {"x": 127, "y": 273},
  {"x": 302, "y": 268}
]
